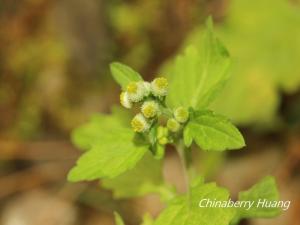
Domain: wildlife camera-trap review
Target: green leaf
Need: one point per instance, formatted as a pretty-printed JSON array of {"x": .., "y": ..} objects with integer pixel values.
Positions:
[
  {"x": 198, "y": 74},
  {"x": 86, "y": 135},
  {"x": 96, "y": 129},
  {"x": 118, "y": 219},
  {"x": 123, "y": 74},
  {"x": 185, "y": 209},
  {"x": 109, "y": 159},
  {"x": 265, "y": 189},
  {"x": 114, "y": 149},
  {"x": 212, "y": 132},
  {"x": 145, "y": 178}
]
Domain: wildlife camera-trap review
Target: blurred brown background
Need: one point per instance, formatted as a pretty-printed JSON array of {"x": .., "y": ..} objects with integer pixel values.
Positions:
[{"x": 54, "y": 74}]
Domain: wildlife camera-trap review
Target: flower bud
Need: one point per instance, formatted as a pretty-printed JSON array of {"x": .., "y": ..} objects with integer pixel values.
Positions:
[
  {"x": 173, "y": 125},
  {"x": 162, "y": 135},
  {"x": 140, "y": 124},
  {"x": 159, "y": 87},
  {"x": 136, "y": 91},
  {"x": 181, "y": 114},
  {"x": 163, "y": 141},
  {"x": 150, "y": 109},
  {"x": 124, "y": 99}
]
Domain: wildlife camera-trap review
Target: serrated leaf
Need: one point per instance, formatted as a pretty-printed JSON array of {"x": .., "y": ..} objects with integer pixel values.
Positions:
[
  {"x": 114, "y": 149},
  {"x": 198, "y": 74},
  {"x": 118, "y": 219},
  {"x": 185, "y": 209},
  {"x": 213, "y": 132},
  {"x": 265, "y": 189},
  {"x": 109, "y": 159},
  {"x": 145, "y": 178},
  {"x": 123, "y": 74}
]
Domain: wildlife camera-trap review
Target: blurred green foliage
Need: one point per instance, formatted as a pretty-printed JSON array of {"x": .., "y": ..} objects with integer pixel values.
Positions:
[{"x": 263, "y": 38}]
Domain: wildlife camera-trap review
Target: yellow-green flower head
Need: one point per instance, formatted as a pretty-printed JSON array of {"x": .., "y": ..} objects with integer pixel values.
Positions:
[
  {"x": 173, "y": 125},
  {"x": 136, "y": 91},
  {"x": 140, "y": 124},
  {"x": 181, "y": 114},
  {"x": 159, "y": 87},
  {"x": 124, "y": 100},
  {"x": 150, "y": 109}
]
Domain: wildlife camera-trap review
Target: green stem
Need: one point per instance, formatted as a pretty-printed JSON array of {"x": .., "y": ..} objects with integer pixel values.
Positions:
[{"x": 185, "y": 164}]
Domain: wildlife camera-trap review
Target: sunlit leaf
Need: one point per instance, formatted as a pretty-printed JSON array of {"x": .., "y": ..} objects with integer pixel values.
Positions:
[
  {"x": 123, "y": 74},
  {"x": 198, "y": 75},
  {"x": 212, "y": 132},
  {"x": 185, "y": 209}
]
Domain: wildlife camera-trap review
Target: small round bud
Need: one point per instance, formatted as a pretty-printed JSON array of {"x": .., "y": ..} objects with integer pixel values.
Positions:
[
  {"x": 163, "y": 141},
  {"x": 136, "y": 91},
  {"x": 181, "y": 114},
  {"x": 150, "y": 109},
  {"x": 159, "y": 87},
  {"x": 124, "y": 100},
  {"x": 140, "y": 124},
  {"x": 173, "y": 125}
]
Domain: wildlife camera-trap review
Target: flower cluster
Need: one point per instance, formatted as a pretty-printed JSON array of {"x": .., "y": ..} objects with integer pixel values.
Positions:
[{"x": 151, "y": 97}]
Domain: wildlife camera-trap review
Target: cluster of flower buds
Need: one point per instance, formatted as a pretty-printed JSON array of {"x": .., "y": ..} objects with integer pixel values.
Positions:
[
  {"x": 181, "y": 115},
  {"x": 150, "y": 97},
  {"x": 148, "y": 94}
]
